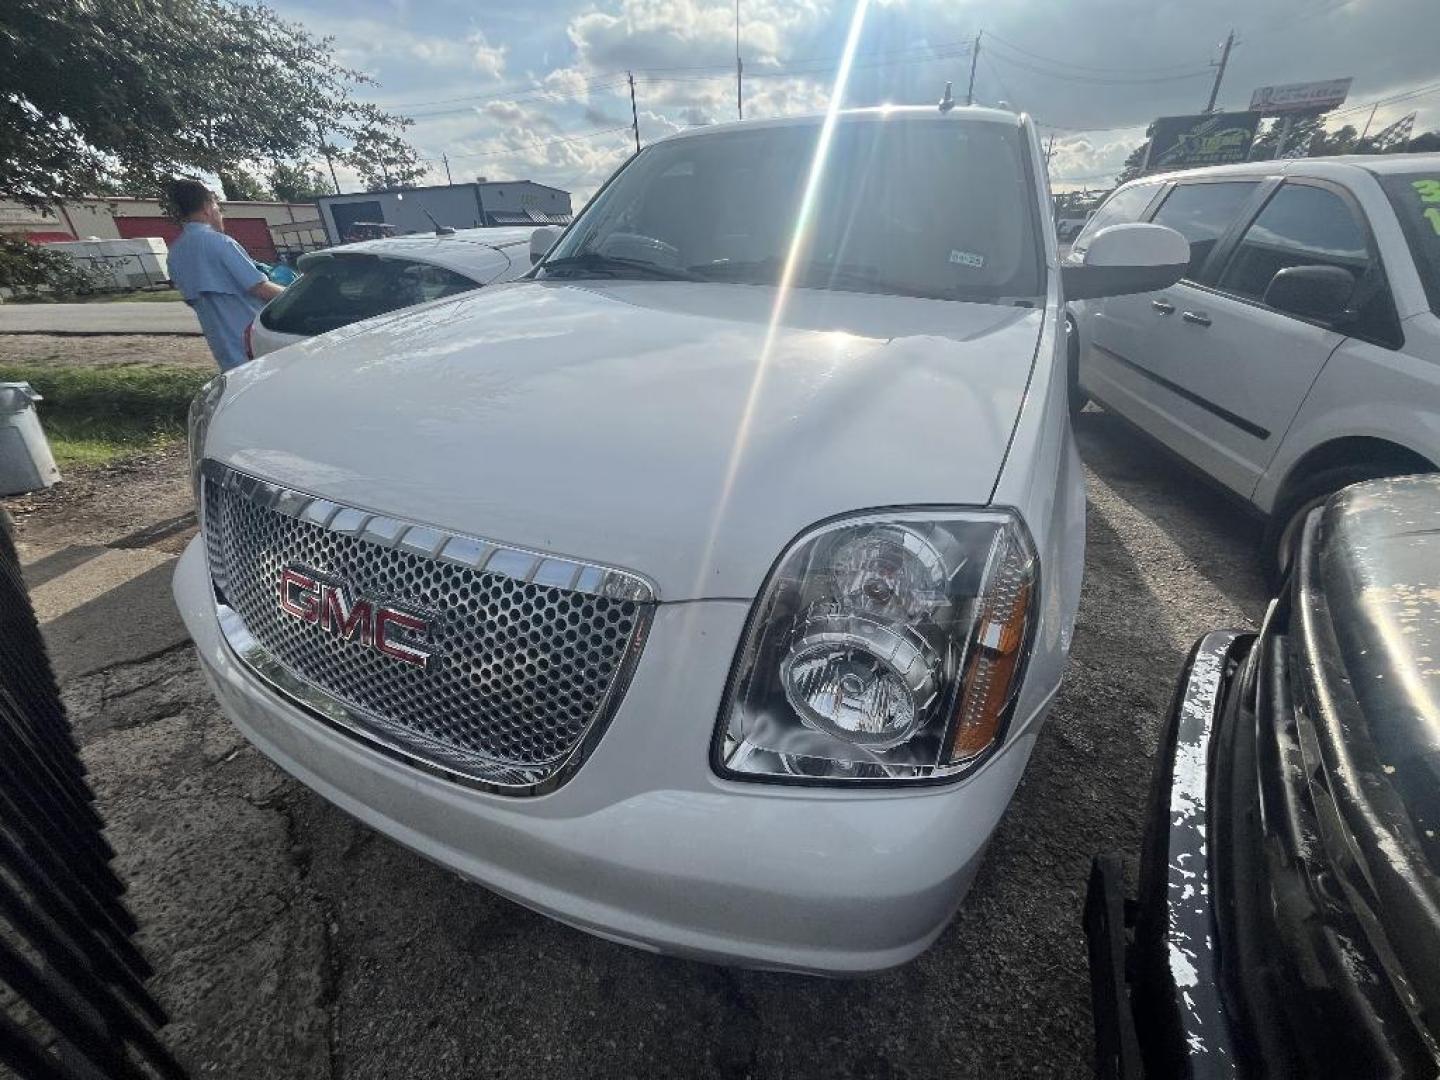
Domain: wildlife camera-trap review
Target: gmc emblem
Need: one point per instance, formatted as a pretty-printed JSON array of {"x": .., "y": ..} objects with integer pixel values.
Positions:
[{"x": 310, "y": 598}]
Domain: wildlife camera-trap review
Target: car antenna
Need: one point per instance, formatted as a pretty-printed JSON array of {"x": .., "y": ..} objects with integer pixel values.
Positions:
[
  {"x": 440, "y": 230},
  {"x": 948, "y": 101}
]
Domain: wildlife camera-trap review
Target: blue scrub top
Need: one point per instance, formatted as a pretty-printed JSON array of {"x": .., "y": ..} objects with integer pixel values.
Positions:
[{"x": 214, "y": 276}]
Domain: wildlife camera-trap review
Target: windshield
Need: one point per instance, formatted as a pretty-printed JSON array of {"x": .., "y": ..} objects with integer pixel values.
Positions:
[
  {"x": 1416, "y": 199},
  {"x": 935, "y": 208},
  {"x": 343, "y": 289}
]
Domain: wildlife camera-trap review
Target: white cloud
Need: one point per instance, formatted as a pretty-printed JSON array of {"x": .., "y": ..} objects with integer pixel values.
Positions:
[{"x": 484, "y": 57}]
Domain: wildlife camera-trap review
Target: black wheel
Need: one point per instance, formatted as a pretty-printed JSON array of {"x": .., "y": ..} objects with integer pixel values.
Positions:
[
  {"x": 1076, "y": 396},
  {"x": 1282, "y": 531}
]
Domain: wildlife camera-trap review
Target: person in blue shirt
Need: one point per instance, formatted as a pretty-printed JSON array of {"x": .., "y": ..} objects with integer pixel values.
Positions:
[{"x": 213, "y": 273}]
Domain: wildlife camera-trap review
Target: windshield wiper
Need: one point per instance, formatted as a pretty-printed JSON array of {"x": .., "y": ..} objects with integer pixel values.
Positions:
[{"x": 592, "y": 262}]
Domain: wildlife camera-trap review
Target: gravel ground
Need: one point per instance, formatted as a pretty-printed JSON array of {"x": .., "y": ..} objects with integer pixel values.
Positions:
[
  {"x": 106, "y": 349},
  {"x": 292, "y": 942}
]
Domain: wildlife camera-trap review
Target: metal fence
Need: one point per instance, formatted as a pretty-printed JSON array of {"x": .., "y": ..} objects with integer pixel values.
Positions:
[{"x": 72, "y": 986}]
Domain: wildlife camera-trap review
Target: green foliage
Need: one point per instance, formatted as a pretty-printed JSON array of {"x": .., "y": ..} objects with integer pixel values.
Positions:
[
  {"x": 95, "y": 414},
  {"x": 146, "y": 89},
  {"x": 25, "y": 267},
  {"x": 1133, "y": 164},
  {"x": 383, "y": 159},
  {"x": 153, "y": 396},
  {"x": 241, "y": 185},
  {"x": 298, "y": 182}
]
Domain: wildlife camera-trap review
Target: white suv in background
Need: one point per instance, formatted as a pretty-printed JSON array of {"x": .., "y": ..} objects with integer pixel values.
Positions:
[
  {"x": 347, "y": 284},
  {"x": 1301, "y": 351},
  {"x": 706, "y": 590}
]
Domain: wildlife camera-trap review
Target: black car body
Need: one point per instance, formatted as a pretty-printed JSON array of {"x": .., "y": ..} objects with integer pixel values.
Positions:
[{"x": 1288, "y": 918}]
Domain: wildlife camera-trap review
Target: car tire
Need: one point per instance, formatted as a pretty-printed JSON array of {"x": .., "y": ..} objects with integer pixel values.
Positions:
[
  {"x": 1076, "y": 397},
  {"x": 1282, "y": 530}
]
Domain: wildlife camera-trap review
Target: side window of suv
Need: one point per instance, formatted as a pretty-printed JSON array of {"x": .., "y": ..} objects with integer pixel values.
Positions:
[
  {"x": 1304, "y": 225},
  {"x": 1202, "y": 213},
  {"x": 1122, "y": 208},
  {"x": 1300, "y": 226}
]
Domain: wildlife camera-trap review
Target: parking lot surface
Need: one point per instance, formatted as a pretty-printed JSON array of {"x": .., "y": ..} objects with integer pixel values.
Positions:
[{"x": 292, "y": 942}]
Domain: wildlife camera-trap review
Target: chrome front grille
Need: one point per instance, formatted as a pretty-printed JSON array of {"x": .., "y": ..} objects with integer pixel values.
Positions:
[{"x": 530, "y": 654}]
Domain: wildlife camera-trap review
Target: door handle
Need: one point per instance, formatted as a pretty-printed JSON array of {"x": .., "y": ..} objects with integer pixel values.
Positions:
[
  {"x": 1164, "y": 307},
  {"x": 1199, "y": 318}
]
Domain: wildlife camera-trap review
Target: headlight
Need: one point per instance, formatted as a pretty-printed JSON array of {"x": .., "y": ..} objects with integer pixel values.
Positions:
[
  {"x": 202, "y": 408},
  {"x": 888, "y": 647}
]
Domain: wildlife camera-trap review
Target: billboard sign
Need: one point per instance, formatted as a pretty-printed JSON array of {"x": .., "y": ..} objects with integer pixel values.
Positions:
[
  {"x": 1299, "y": 97},
  {"x": 1188, "y": 142}
]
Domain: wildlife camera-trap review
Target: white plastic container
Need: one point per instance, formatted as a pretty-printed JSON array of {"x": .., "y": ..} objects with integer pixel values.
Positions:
[{"x": 26, "y": 463}]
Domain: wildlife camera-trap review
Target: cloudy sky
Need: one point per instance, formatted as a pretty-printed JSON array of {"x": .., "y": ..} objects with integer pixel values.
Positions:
[{"x": 536, "y": 88}]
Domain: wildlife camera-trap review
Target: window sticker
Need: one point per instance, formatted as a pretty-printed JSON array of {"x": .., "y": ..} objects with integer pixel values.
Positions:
[
  {"x": 967, "y": 258},
  {"x": 1428, "y": 190}
]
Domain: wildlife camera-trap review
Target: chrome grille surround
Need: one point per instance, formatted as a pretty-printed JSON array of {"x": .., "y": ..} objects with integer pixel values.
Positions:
[{"x": 532, "y": 653}]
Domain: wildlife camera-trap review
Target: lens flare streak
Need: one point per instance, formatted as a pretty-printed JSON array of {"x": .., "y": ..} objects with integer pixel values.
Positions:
[{"x": 813, "y": 183}]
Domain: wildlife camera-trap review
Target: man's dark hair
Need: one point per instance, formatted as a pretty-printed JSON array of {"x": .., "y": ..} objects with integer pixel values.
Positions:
[{"x": 187, "y": 197}]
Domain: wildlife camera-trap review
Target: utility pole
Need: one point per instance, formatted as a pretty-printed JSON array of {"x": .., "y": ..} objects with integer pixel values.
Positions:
[
  {"x": 1367, "y": 125},
  {"x": 446, "y": 159},
  {"x": 739, "y": 68},
  {"x": 1220, "y": 70},
  {"x": 634, "y": 116},
  {"x": 325, "y": 149},
  {"x": 1049, "y": 151},
  {"x": 974, "y": 58}
]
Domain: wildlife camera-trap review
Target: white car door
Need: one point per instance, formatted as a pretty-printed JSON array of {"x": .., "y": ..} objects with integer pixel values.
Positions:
[
  {"x": 1133, "y": 360},
  {"x": 1241, "y": 368}
]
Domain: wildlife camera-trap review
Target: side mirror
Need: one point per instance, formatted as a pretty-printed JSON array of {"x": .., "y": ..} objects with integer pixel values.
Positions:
[
  {"x": 1311, "y": 292},
  {"x": 1123, "y": 259},
  {"x": 541, "y": 241}
]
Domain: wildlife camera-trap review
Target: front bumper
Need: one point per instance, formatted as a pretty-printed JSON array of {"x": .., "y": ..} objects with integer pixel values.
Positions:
[{"x": 645, "y": 845}]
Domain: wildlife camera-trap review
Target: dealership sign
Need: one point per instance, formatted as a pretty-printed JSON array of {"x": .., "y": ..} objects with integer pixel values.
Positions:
[
  {"x": 1299, "y": 97},
  {"x": 1187, "y": 142}
]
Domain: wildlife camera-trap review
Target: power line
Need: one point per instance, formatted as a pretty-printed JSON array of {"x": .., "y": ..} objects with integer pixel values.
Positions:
[
  {"x": 1088, "y": 67},
  {"x": 542, "y": 143},
  {"x": 1100, "y": 80},
  {"x": 1404, "y": 95}
]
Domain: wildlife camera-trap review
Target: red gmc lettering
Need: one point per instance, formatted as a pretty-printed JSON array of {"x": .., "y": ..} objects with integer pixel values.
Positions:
[
  {"x": 370, "y": 625},
  {"x": 385, "y": 618},
  {"x": 341, "y": 617},
  {"x": 294, "y": 584}
]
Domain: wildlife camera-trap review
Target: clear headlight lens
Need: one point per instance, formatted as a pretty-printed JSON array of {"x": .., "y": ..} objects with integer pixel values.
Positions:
[
  {"x": 202, "y": 408},
  {"x": 886, "y": 647}
]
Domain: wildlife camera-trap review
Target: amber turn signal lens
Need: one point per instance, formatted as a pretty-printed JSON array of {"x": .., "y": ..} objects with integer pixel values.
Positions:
[{"x": 990, "y": 678}]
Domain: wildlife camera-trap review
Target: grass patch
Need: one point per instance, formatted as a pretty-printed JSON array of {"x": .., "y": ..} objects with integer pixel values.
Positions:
[
  {"x": 94, "y": 415},
  {"x": 104, "y": 442},
  {"x": 162, "y": 296}
]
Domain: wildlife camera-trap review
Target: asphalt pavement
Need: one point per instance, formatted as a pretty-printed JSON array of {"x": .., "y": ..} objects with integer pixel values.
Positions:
[
  {"x": 120, "y": 317},
  {"x": 290, "y": 941}
]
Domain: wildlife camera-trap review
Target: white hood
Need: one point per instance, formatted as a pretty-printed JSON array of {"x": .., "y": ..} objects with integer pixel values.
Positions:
[{"x": 646, "y": 425}]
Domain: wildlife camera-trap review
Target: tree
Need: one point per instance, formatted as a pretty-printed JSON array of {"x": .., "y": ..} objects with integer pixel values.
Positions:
[
  {"x": 1133, "y": 164},
  {"x": 1426, "y": 143},
  {"x": 148, "y": 88},
  {"x": 383, "y": 159},
  {"x": 298, "y": 182},
  {"x": 244, "y": 186},
  {"x": 25, "y": 266}
]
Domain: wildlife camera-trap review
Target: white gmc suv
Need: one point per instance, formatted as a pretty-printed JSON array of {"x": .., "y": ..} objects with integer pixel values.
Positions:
[
  {"x": 1301, "y": 352},
  {"x": 706, "y": 589}
]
